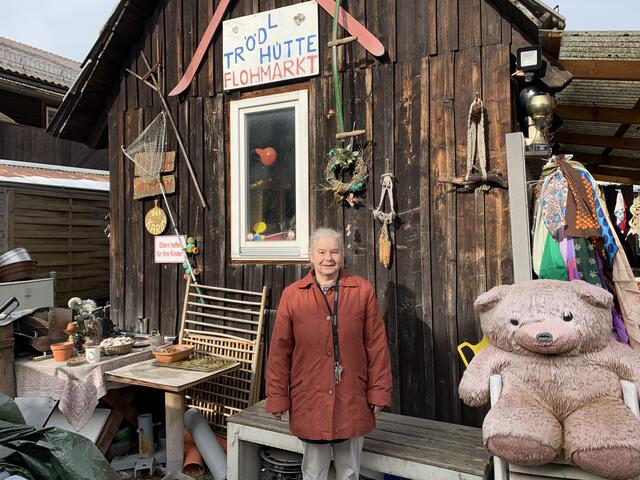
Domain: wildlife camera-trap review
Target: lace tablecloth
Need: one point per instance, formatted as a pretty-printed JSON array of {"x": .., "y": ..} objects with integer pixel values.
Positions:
[{"x": 78, "y": 388}]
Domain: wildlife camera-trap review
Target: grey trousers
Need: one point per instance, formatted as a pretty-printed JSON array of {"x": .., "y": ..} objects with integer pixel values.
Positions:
[{"x": 346, "y": 458}]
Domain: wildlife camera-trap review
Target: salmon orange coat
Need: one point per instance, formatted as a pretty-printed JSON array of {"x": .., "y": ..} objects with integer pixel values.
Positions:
[{"x": 300, "y": 367}]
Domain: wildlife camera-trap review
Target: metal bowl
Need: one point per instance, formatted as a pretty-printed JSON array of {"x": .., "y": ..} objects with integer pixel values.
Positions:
[{"x": 14, "y": 256}]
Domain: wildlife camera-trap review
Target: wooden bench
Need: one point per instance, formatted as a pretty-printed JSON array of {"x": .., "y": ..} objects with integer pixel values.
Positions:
[{"x": 409, "y": 447}]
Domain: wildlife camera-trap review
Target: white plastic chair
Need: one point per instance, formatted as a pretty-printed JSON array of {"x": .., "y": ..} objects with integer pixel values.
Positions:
[{"x": 501, "y": 469}]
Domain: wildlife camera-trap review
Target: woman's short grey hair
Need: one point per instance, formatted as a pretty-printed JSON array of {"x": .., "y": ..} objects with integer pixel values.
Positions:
[{"x": 326, "y": 232}]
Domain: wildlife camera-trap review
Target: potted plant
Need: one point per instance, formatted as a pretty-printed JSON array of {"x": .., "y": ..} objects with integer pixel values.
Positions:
[{"x": 85, "y": 328}]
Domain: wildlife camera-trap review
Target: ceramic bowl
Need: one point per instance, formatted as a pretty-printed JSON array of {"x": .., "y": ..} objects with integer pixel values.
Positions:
[{"x": 174, "y": 353}]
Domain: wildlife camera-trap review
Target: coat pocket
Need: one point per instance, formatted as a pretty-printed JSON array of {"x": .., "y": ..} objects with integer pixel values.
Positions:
[{"x": 295, "y": 384}]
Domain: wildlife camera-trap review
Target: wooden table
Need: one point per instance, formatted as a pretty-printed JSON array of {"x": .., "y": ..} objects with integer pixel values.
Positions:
[{"x": 173, "y": 381}]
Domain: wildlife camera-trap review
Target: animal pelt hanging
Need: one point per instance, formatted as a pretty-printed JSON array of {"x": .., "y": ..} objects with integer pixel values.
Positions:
[
  {"x": 477, "y": 175},
  {"x": 387, "y": 219}
]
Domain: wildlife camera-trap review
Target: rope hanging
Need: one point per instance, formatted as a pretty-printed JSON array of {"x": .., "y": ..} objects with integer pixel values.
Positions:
[
  {"x": 384, "y": 240},
  {"x": 476, "y": 140},
  {"x": 476, "y": 175}
]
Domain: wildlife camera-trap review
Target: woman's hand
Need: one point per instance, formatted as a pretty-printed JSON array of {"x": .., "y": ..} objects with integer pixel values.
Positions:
[
  {"x": 279, "y": 415},
  {"x": 376, "y": 409}
]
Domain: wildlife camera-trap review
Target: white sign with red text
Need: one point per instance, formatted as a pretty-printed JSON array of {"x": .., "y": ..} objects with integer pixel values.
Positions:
[
  {"x": 168, "y": 249},
  {"x": 272, "y": 46}
]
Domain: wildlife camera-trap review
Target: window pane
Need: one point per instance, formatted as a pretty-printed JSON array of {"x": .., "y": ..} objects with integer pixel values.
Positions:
[{"x": 271, "y": 181}]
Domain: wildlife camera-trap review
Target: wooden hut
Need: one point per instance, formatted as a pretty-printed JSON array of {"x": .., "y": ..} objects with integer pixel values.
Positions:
[{"x": 413, "y": 102}]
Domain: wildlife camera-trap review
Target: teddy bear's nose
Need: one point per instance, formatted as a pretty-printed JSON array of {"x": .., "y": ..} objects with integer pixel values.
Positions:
[{"x": 544, "y": 337}]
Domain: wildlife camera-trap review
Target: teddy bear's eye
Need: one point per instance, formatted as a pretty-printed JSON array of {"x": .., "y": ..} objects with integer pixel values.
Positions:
[
  {"x": 514, "y": 321},
  {"x": 567, "y": 316}
]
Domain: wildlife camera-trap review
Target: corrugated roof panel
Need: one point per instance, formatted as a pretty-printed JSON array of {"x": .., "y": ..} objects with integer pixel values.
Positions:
[
  {"x": 633, "y": 132},
  {"x": 619, "y": 152},
  {"x": 598, "y": 93},
  {"x": 600, "y": 45},
  {"x": 39, "y": 174},
  {"x": 571, "y": 148},
  {"x": 591, "y": 128}
]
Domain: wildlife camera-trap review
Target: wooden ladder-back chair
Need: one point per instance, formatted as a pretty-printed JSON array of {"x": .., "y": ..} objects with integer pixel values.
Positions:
[{"x": 226, "y": 323}]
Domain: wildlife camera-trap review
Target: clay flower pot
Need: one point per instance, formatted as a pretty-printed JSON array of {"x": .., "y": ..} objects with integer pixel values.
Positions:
[
  {"x": 62, "y": 351},
  {"x": 268, "y": 155}
]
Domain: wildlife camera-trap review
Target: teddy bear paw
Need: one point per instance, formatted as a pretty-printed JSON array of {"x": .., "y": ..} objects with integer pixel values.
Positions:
[
  {"x": 616, "y": 463},
  {"x": 521, "y": 451}
]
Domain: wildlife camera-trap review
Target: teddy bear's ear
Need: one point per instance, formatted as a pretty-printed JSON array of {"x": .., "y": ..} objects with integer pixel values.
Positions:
[
  {"x": 486, "y": 301},
  {"x": 594, "y": 295}
]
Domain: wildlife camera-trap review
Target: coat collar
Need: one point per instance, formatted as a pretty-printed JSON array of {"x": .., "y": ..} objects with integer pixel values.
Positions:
[{"x": 346, "y": 279}]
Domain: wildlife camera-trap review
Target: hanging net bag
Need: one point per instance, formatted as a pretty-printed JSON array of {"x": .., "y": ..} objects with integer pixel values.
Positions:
[{"x": 147, "y": 151}]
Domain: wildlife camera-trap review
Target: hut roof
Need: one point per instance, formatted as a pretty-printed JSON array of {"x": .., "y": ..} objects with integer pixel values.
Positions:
[
  {"x": 26, "y": 62},
  {"x": 601, "y": 107}
]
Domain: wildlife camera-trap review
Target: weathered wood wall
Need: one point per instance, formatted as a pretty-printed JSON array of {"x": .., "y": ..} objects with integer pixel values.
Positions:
[
  {"x": 449, "y": 247},
  {"x": 63, "y": 230},
  {"x": 31, "y": 144}
]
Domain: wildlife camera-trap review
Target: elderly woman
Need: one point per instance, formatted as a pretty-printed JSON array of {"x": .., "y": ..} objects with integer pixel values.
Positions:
[{"x": 329, "y": 362}]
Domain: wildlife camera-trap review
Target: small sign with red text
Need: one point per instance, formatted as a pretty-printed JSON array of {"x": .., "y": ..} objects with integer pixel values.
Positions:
[{"x": 168, "y": 249}]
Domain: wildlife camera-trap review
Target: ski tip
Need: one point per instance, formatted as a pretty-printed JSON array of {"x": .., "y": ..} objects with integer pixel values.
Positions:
[
  {"x": 177, "y": 90},
  {"x": 377, "y": 51}
]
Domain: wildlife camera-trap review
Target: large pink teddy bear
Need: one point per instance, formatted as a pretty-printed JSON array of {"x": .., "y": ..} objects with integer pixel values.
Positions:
[{"x": 551, "y": 343}]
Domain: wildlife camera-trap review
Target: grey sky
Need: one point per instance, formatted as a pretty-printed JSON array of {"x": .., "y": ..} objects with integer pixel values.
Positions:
[
  {"x": 66, "y": 27},
  {"x": 598, "y": 14},
  {"x": 70, "y": 27}
]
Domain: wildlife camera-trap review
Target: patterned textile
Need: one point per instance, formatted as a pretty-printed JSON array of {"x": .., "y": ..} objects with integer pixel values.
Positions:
[
  {"x": 610, "y": 241},
  {"x": 581, "y": 216},
  {"x": 78, "y": 388},
  {"x": 635, "y": 211},
  {"x": 620, "y": 211},
  {"x": 586, "y": 261},
  {"x": 553, "y": 202}
]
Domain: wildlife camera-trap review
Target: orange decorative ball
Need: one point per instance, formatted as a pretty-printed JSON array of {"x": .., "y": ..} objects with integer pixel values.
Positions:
[{"x": 268, "y": 155}]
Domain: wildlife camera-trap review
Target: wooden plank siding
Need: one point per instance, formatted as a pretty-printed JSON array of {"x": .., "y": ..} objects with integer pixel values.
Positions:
[
  {"x": 63, "y": 231},
  {"x": 30, "y": 144},
  {"x": 448, "y": 246}
]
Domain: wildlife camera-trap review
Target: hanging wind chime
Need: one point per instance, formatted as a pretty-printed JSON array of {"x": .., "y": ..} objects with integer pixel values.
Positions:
[
  {"x": 386, "y": 218},
  {"x": 477, "y": 175}
]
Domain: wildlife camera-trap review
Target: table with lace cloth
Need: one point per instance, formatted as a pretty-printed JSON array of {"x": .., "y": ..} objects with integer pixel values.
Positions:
[{"x": 78, "y": 388}]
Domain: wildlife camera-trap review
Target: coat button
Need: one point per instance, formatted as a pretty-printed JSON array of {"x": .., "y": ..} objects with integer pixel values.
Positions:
[
  {"x": 328, "y": 317},
  {"x": 328, "y": 354},
  {"x": 330, "y": 392}
]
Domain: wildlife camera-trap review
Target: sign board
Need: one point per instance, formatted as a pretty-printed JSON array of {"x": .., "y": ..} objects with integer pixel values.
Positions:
[
  {"x": 151, "y": 189},
  {"x": 272, "y": 46},
  {"x": 168, "y": 249}
]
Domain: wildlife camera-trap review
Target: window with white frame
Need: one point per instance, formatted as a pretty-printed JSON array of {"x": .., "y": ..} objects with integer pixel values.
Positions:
[
  {"x": 270, "y": 177},
  {"x": 49, "y": 114}
]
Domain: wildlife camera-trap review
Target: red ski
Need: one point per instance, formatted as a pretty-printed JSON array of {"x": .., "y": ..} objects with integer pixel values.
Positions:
[
  {"x": 191, "y": 70},
  {"x": 365, "y": 38}
]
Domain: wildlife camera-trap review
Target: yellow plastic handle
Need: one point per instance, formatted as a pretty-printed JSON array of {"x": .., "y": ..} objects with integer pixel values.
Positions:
[{"x": 475, "y": 348}]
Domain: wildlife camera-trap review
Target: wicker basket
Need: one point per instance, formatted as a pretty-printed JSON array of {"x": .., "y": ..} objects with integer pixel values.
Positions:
[{"x": 117, "y": 349}]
